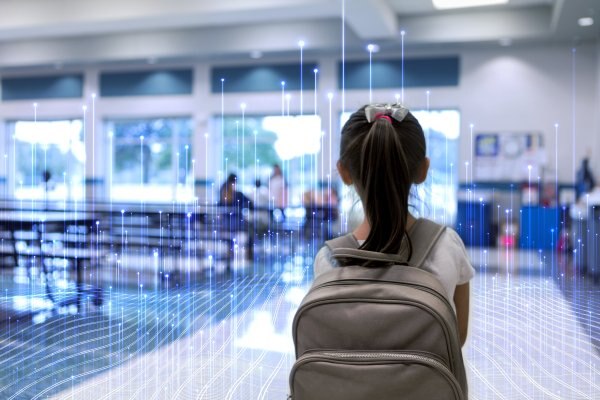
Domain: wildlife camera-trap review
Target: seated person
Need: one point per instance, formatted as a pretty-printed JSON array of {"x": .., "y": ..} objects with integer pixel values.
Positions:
[
  {"x": 236, "y": 202},
  {"x": 234, "y": 221},
  {"x": 321, "y": 204},
  {"x": 229, "y": 196},
  {"x": 584, "y": 180},
  {"x": 321, "y": 210}
]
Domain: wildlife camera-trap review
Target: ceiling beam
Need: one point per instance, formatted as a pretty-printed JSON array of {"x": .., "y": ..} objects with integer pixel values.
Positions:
[
  {"x": 196, "y": 43},
  {"x": 478, "y": 25},
  {"x": 371, "y": 19},
  {"x": 61, "y": 18},
  {"x": 564, "y": 19}
]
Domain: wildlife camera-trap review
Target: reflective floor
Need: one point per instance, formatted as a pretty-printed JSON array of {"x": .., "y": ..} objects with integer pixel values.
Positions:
[{"x": 534, "y": 333}]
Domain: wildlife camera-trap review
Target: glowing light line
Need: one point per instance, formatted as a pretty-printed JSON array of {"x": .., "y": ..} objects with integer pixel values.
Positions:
[{"x": 402, "y": 60}]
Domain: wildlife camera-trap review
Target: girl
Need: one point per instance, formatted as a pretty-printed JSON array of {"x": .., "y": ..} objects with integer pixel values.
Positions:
[{"x": 382, "y": 154}]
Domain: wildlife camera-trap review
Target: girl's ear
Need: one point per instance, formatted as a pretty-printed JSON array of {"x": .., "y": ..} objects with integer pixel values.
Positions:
[
  {"x": 344, "y": 173},
  {"x": 422, "y": 171}
]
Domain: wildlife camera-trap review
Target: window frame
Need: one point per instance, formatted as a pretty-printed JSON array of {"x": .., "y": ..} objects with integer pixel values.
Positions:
[
  {"x": 11, "y": 168},
  {"x": 108, "y": 124}
]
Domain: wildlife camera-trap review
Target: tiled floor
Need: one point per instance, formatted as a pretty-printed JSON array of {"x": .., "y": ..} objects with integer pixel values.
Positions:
[{"x": 534, "y": 334}]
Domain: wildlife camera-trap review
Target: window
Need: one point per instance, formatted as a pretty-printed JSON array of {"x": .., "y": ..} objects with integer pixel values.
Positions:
[
  {"x": 150, "y": 159},
  {"x": 437, "y": 196},
  {"x": 46, "y": 159},
  {"x": 250, "y": 147},
  {"x": 442, "y": 131}
]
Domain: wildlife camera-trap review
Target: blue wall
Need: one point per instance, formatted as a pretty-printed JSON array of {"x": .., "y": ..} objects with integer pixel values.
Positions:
[
  {"x": 418, "y": 72},
  {"x": 42, "y": 87},
  {"x": 146, "y": 83},
  {"x": 263, "y": 78}
]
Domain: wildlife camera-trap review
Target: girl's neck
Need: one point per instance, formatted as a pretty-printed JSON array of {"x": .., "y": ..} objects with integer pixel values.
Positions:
[{"x": 362, "y": 231}]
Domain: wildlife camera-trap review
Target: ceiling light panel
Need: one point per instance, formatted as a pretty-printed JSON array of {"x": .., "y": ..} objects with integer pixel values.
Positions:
[
  {"x": 585, "y": 21},
  {"x": 449, "y": 4}
]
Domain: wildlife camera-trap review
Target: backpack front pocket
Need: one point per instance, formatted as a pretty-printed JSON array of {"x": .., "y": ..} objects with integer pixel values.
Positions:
[{"x": 365, "y": 375}]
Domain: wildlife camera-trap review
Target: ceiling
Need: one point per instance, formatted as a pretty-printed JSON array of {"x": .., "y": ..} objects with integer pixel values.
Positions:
[{"x": 63, "y": 32}]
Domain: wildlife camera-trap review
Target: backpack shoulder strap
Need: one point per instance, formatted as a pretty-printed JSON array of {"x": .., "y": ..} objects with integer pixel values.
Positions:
[
  {"x": 347, "y": 241},
  {"x": 347, "y": 247},
  {"x": 424, "y": 234}
]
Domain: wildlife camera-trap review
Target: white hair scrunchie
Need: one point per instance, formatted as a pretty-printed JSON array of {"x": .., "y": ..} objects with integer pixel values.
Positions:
[{"x": 395, "y": 111}]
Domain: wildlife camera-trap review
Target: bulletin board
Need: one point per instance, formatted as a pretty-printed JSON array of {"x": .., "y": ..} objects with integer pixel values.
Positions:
[{"x": 506, "y": 156}]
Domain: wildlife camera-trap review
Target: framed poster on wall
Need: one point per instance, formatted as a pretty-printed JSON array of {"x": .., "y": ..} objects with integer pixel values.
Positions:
[{"x": 508, "y": 156}]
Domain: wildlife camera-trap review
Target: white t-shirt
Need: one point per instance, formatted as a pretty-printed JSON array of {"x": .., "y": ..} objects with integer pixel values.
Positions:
[{"x": 448, "y": 261}]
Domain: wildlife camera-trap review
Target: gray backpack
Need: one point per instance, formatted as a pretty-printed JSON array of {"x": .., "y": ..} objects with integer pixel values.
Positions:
[{"x": 378, "y": 333}]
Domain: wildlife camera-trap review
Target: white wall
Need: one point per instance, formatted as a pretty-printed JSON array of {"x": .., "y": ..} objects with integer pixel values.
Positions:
[
  {"x": 532, "y": 90},
  {"x": 500, "y": 89},
  {"x": 519, "y": 90}
]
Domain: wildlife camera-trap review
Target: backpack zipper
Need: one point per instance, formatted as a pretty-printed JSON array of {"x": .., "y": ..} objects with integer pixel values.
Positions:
[
  {"x": 376, "y": 356},
  {"x": 367, "y": 281}
]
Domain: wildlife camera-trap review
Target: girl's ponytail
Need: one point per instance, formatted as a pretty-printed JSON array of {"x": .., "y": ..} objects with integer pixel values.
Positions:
[{"x": 383, "y": 158}]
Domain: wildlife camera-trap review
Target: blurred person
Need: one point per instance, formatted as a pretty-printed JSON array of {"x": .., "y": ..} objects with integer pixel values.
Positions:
[
  {"x": 230, "y": 196},
  {"x": 278, "y": 188},
  {"x": 584, "y": 181}
]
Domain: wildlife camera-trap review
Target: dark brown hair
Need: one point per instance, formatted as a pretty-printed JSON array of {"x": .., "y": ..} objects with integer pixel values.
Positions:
[{"x": 383, "y": 159}]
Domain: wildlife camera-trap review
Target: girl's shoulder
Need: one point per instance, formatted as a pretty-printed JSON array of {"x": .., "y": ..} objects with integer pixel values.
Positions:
[
  {"x": 448, "y": 243},
  {"x": 450, "y": 255},
  {"x": 450, "y": 238}
]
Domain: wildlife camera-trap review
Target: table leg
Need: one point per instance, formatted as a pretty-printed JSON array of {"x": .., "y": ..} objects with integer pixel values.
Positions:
[{"x": 79, "y": 283}]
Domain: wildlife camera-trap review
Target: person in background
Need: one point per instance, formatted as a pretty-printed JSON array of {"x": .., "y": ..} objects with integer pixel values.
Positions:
[
  {"x": 584, "y": 182},
  {"x": 47, "y": 179},
  {"x": 321, "y": 212},
  {"x": 235, "y": 220},
  {"x": 48, "y": 185},
  {"x": 277, "y": 188},
  {"x": 260, "y": 195},
  {"x": 230, "y": 196},
  {"x": 260, "y": 199}
]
